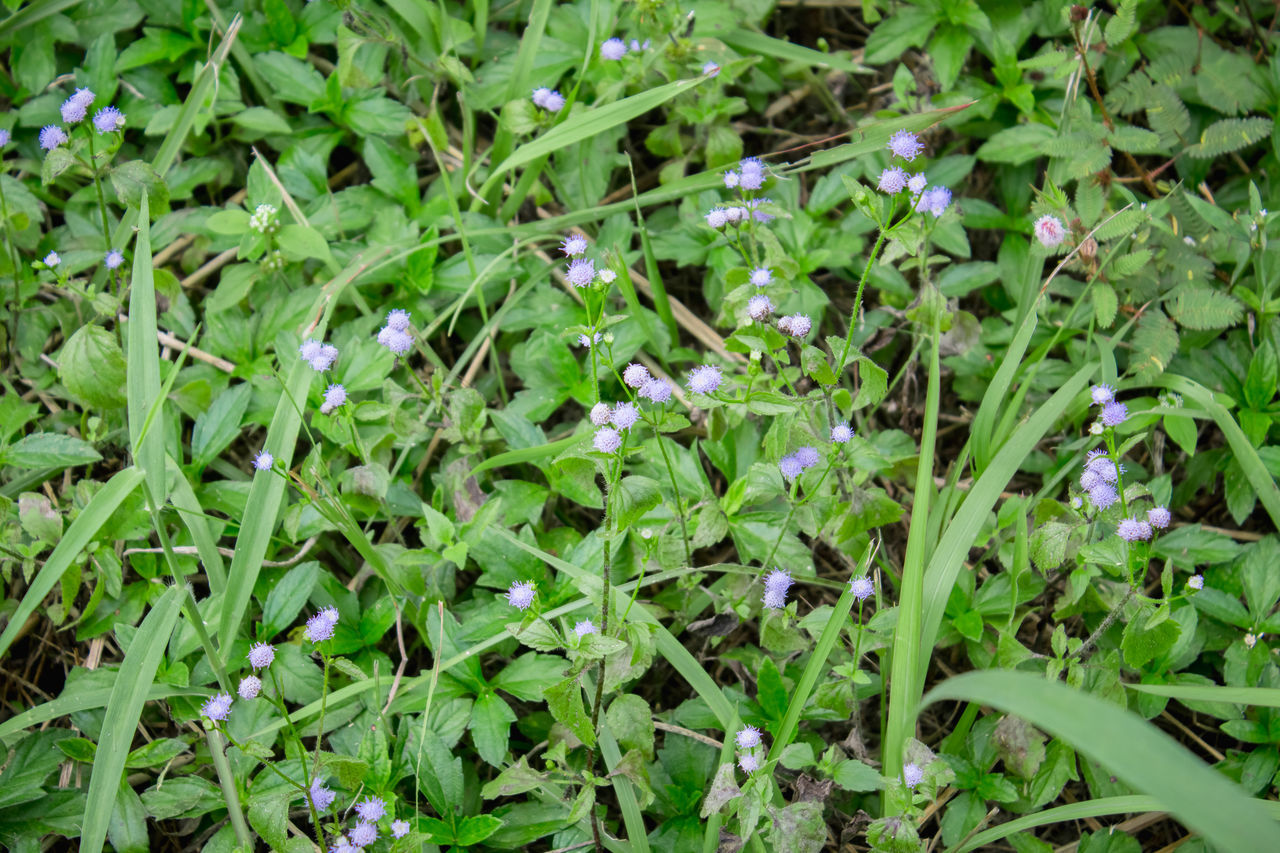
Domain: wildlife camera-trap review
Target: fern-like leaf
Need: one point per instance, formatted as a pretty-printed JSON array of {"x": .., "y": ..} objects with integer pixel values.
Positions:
[
  {"x": 1131, "y": 95},
  {"x": 1122, "y": 225},
  {"x": 1127, "y": 265},
  {"x": 1154, "y": 343},
  {"x": 1205, "y": 308},
  {"x": 1166, "y": 114},
  {"x": 1230, "y": 134},
  {"x": 1137, "y": 140}
]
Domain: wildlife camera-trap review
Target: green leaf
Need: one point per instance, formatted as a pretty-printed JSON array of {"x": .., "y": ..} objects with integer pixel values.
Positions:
[
  {"x": 634, "y": 496},
  {"x": 476, "y": 828},
  {"x": 1016, "y": 145},
  {"x": 1229, "y": 134},
  {"x": 1154, "y": 343},
  {"x": 1206, "y": 308},
  {"x": 134, "y": 179},
  {"x": 49, "y": 450},
  {"x": 631, "y": 720},
  {"x": 439, "y": 774},
  {"x": 771, "y": 694},
  {"x": 78, "y": 748},
  {"x": 217, "y": 426},
  {"x": 1147, "y": 636},
  {"x": 564, "y": 700},
  {"x": 873, "y": 383},
  {"x": 299, "y": 242},
  {"x": 491, "y": 719},
  {"x": 858, "y": 777},
  {"x": 287, "y": 597},
  {"x": 907, "y": 27},
  {"x": 91, "y": 367}
]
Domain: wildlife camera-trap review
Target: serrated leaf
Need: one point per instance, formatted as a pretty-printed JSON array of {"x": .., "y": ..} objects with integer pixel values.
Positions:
[
  {"x": 49, "y": 450},
  {"x": 873, "y": 384},
  {"x": 1105, "y": 304},
  {"x": 564, "y": 700},
  {"x": 1127, "y": 265},
  {"x": 1154, "y": 343},
  {"x": 1204, "y": 308},
  {"x": 1137, "y": 140},
  {"x": 1166, "y": 114}
]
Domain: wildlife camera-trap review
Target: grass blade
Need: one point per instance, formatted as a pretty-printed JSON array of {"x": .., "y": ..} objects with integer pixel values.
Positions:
[
  {"x": 530, "y": 454},
  {"x": 632, "y": 818},
  {"x": 758, "y": 44},
  {"x": 183, "y": 499},
  {"x": 1135, "y": 752},
  {"x": 142, "y": 382},
  {"x": 83, "y": 700},
  {"x": 1073, "y": 811},
  {"x": 124, "y": 708},
  {"x": 33, "y": 13},
  {"x": 78, "y": 535},
  {"x": 1254, "y": 471},
  {"x": 1265, "y": 697}
]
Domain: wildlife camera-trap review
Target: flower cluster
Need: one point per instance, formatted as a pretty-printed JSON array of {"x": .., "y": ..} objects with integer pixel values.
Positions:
[
  {"x": 520, "y": 594},
  {"x": 75, "y": 108},
  {"x": 759, "y": 308},
  {"x": 320, "y": 627},
  {"x": 862, "y": 588},
  {"x": 749, "y": 741},
  {"x": 746, "y": 179},
  {"x": 335, "y": 396},
  {"x": 795, "y": 464},
  {"x": 796, "y": 325},
  {"x": 320, "y": 356},
  {"x": 395, "y": 334},
  {"x": 615, "y": 48},
  {"x": 264, "y": 219},
  {"x": 776, "y": 584},
  {"x": 548, "y": 99},
  {"x": 705, "y": 379},
  {"x": 895, "y": 179}
]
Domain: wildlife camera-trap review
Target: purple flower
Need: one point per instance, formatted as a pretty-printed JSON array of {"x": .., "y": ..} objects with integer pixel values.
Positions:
[
  {"x": 263, "y": 461},
  {"x": 399, "y": 342},
  {"x": 52, "y": 260},
  {"x": 1133, "y": 529},
  {"x": 4, "y": 137},
  {"x": 600, "y": 414},
  {"x": 371, "y": 809},
  {"x": 1102, "y": 394},
  {"x": 1103, "y": 496},
  {"x": 751, "y": 173},
  {"x": 905, "y": 145},
  {"x": 113, "y": 259},
  {"x": 759, "y": 308},
  {"x": 364, "y": 834},
  {"x": 892, "y": 180},
  {"x": 731, "y": 179},
  {"x": 399, "y": 828},
  {"x": 549, "y": 99},
  {"x": 656, "y": 390},
  {"x": 711, "y": 69},
  {"x": 334, "y": 396},
  {"x": 790, "y": 467},
  {"x": 759, "y": 215},
  {"x": 1159, "y": 517},
  {"x": 1091, "y": 480},
  {"x": 912, "y": 775},
  {"x": 761, "y": 276},
  {"x": 584, "y": 341},
  {"x": 735, "y": 214},
  {"x": 108, "y": 120},
  {"x": 320, "y": 626},
  {"x": 1049, "y": 231},
  {"x": 624, "y": 416},
  {"x": 861, "y": 588},
  {"x": 636, "y": 375},
  {"x": 607, "y": 440},
  {"x": 520, "y": 594},
  {"x": 935, "y": 200},
  {"x": 51, "y": 136},
  {"x": 916, "y": 183},
  {"x": 342, "y": 845},
  {"x": 1101, "y": 464},
  {"x": 613, "y": 49},
  {"x": 748, "y": 737},
  {"x": 75, "y": 107},
  {"x": 574, "y": 245},
  {"x": 1196, "y": 582},
  {"x": 580, "y": 272},
  {"x": 807, "y": 456},
  {"x": 705, "y": 379},
  {"x": 321, "y": 797},
  {"x": 776, "y": 584},
  {"x": 261, "y": 655},
  {"x": 749, "y": 762},
  {"x": 398, "y": 319},
  {"x": 250, "y": 687},
  {"x": 841, "y": 433},
  {"x": 320, "y": 356},
  {"x": 1114, "y": 414},
  {"x": 217, "y": 708},
  {"x": 309, "y": 349},
  {"x": 717, "y": 218},
  {"x": 636, "y": 45},
  {"x": 583, "y": 628},
  {"x": 796, "y": 325}
]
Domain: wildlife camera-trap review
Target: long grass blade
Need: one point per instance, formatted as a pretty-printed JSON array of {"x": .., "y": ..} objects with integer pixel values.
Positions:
[
  {"x": 83, "y": 700},
  {"x": 1074, "y": 811},
  {"x": 142, "y": 381},
  {"x": 124, "y": 708},
  {"x": 1131, "y": 749},
  {"x": 632, "y": 818},
  {"x": 78, "y": 535},
  {"x": 1263, "y": 697},
  {"x": 183, "y": 499}
]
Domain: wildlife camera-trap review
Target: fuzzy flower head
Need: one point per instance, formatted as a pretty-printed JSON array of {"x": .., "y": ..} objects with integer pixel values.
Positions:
[
  {"x": 1102, "y": 394},
  {"x": 705, "y": 379},
  {"x": 1196, "y": 582},
  {"x": 113, "y": 259},
  {"x": 309, "y": 349},
  {"x": 807, "y": 456},
  {"x": 748, "y": 737},
  {"x": 574, "y": 245},
  {"x": 904, "y": 144},
  {"x": 800, "y": 325},
  {"x": 607, "y": 440},
  {"x": 600, "y": 413},
  {"x": 263, "y": 461},
  {"x": 1133, "y": 530},
  {"x": 334, "y": 397},
  {"x": 912, "y": 775},
  {"x": 751, "y": 173},
  {"x": 584, "y": 341},
  {"x": 520, "y": 594},
  {"x": 790, "y": 467},
  {"x": 749, "y": 762},
  {"x": 731, "y": 179},
  {"x": 363, "y": 834},
  {"x": 776, "y": 584},
  {"x": 717, "y": 218},
  {"x": 710, "y": 69},
  {"x": 916, "y": 183},
  {"x": 399, "y": 828},
  {"x": 656, "y": 391},
  {"x": 1103, "y": 496},
  {"x": 250, "y": 687},
  {"x": 371, "y": 809},
  {"x": 52, "y": 260},
  {"x": 320, "y": 796},
  {"x": 581, "y": 272},
  {"x": 549, "y": 99},
  {"x": 1159, "y": 517},
  {"x": 935, "y": 200},
  {"x": 51, "y": 136},
  {"x": 1114, "y": 414},
  {"x": 583, "y": 628},
  {"x": 4, "y": 137},
  {"x": 636, "y": 375},
  {"x": 613, "y": 49},
  {"x": 761, "y": 276},
  {"x": 1049, "y": 231},
  {"x": 862, "y": 588},
  {"x": 841, "y": 433},
  {"x": 217, "y": 708},
  {"x": 320, "y": 627},
  {"x": 892, "y": 181},
  {"x": 75, "y": 107},
  {"x": 606, "y": 275},
  {"x": 399, "y": 320},
  {"x": 320, "y": 356},
  {"x": 261, "y": 655},
  {"x": 1102, "y": 465},
  {"x": 759, "y": 308},
  {"x": 108, "y": 120},
  {"x": 759, "y": 215},
  {"x": 396, "y": 340},
  {"x": 624, "y": 416}
]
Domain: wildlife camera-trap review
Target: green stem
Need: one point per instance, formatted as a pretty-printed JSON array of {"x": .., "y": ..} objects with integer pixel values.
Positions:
[
  {"x": 904, "y": 693},
  {"x": 227, "y": 782},
  {"x": 857, "y": 305},
  {"x": 324, "y": 694},
  {"x": 17, "y": 287},
  {"x": 102, "y": 202},
  {"x": 671, "y": 472}
]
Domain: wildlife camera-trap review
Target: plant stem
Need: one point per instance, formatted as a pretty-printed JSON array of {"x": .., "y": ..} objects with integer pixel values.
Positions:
[
  {"x": 227, "y": 782},
  {"x": 857, "y": 304},
  {"x": 671, "y": 472},
  {"x": 102, "y": 202},
  {"x": 17, "y": 286}
]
